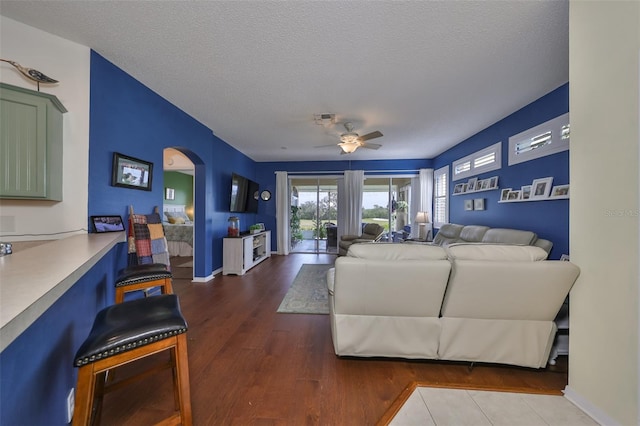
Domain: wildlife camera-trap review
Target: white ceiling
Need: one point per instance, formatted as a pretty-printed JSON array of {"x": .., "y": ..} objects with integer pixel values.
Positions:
[{"x": 427, "y": 74}]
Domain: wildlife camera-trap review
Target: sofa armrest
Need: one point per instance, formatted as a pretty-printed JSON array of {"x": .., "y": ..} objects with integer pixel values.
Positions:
[{"x": 349, "y": 237}]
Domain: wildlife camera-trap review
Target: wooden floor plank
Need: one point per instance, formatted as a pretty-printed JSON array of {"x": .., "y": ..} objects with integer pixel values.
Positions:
[{"x": 250, "y": 365}]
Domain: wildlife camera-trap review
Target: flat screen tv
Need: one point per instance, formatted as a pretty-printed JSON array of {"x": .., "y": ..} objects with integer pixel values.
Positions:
[{"x": 244, "y": 195}]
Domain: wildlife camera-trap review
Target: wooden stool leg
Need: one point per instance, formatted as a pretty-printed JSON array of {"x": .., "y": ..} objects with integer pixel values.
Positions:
[
  {"x": 119, "y": 294},
  {"x": 85, "y": 393},
  {"x": 167, "y": 288},
  {"x": 181, "y": 376}
]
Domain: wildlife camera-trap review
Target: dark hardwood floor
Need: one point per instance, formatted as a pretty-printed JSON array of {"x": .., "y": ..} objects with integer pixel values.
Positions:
[{"x": 252, "y": 366}]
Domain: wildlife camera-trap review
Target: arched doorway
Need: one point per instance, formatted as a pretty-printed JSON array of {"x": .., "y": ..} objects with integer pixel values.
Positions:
[{"x": 179, "y": 206}]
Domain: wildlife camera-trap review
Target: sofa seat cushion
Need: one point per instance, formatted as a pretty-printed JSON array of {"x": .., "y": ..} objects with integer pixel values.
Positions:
[
  {"x": 390, "y": 251},
  {"x": 496, "y": 252},
  {"x": 509, "y": 236}
]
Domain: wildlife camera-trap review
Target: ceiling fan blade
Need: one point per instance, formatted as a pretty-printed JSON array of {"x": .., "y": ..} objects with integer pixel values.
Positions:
[
  {"x": 371, "y": 135},
  {"x": 325, "y": 146},
  {"x": 370, "y": 145}
]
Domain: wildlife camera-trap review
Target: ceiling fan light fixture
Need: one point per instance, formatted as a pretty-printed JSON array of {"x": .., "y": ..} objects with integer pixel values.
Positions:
[
  {"x": 349, "y": 137},
  {"x": 348, "y": 147}
]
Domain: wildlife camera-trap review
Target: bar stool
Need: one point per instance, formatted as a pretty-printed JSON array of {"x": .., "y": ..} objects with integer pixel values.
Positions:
[
  {"x": 127, "y": 332},
  {"x": 142, "y": 277}
]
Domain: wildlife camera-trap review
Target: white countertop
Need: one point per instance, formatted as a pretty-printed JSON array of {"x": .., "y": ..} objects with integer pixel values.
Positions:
[{"x": 33, "y": 279}]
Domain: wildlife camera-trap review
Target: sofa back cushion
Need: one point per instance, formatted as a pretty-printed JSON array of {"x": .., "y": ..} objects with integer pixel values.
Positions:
[
  {"x": 496, "y": 252},
  {"x": 389, "y": 288},
  {"x": 473, "y": 233},
  {"x": 509, "y": 236},
  {"x": 389, "y": 251},
  {"x": 448, "y": 233},
  {"x": 506, "y": 282}
]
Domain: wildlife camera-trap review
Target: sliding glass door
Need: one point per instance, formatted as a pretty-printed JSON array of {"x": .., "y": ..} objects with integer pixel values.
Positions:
[
  {"x": 314, "y": 215},
  {"x": 387, "y": 201}
]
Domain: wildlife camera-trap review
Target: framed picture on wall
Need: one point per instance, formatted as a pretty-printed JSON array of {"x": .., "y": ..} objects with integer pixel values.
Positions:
[
  {"x": 526, "y": 192},
  {"x": 504, "y": 194},
  {"x": 129, "y": 172},
  {"x": 468, "y": 204},
  {"x": 169, "y": 194},
  {"x": 478, "y": 204}
]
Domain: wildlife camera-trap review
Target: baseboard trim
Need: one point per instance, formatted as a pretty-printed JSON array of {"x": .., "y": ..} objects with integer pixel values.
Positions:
[
  {"x": 207, "y": 278},
  {"x": 591, "y": 410}
]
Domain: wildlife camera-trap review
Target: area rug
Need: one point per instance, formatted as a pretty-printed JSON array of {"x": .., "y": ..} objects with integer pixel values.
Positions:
[
  {"x": 427, "y": 404},
  {"x": 308, "y": 294}
]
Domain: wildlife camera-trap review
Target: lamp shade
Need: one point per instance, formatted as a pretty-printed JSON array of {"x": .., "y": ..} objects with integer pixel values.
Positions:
[
  {"x": 348, "y": 147},
  {"x": 422, "y": 217}
]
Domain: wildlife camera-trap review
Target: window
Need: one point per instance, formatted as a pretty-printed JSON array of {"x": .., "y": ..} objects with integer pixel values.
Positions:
[
  {"x": 481, "y": 161},
  {"x": 441, "y": 197},
  {"x": 545, "y": 139}
]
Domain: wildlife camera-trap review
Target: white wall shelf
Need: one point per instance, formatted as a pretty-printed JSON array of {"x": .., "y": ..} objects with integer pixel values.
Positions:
[
  {"x": 563, "y": 197},
  {"x": 475, "y": 191}
]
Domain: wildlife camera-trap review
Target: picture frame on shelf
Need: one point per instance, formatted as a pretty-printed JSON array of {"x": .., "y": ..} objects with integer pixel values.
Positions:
[
  {"x": 504, "y": 194},
  {"x": 459, "y": 188},
  {"x": 560, "y": 191},
  {"x": 541, "y": 188},
  {"x": 129, "y": 172},
  {"x": 493, "y": 182},
  {"x": 514, "y": 195},
  {"x": 478, "y": 185},
  {"x": 478, "y": 204},
  {"x": 107, "y": 224},
  {"x": 471, "y": 183},
  {"x": 526, "y": 192},
  {"x": 468, "y": 204}
]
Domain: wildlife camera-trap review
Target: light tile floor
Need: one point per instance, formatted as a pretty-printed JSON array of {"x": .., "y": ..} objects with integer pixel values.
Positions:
[{"x": 441, "y": 406}]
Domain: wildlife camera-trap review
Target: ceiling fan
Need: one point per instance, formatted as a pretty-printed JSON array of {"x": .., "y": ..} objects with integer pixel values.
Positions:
[{"x": 350, "y": 140}]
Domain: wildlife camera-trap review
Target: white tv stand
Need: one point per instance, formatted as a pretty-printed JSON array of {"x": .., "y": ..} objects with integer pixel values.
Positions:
[{"x": 239, "y": 254}]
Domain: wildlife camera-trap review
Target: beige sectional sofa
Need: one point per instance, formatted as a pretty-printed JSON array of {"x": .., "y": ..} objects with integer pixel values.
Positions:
[
  {"x": 466, "y": 302},
  {"x": 452, "y": 233}
]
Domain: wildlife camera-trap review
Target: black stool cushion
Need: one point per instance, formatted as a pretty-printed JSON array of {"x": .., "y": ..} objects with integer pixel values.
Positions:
[
  {"x": 125, "y": 326},
  {"x": 140, "y": 273}
]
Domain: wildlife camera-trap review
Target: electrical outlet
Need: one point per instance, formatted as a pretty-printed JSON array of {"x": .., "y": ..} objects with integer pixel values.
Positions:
[{"x": 71, "y": 401}]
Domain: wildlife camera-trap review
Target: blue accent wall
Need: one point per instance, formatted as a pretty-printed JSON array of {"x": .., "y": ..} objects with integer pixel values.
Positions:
[
  {"x": 549, "y": 219},
  {"x": 129, "y": 118},
  {"x": 37, "y": 367}
]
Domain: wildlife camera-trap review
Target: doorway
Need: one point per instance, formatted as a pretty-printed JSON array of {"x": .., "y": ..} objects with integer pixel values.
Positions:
[
  {"x": 387, "y": 202},
  {"x": 314, "y": 215},
  {"x": 179, "y": 199}
]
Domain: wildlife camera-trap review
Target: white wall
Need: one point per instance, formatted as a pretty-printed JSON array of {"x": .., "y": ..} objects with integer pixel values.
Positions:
[
  {"x": 69, "y": 63},
  {"x": 604, "y": 45}
]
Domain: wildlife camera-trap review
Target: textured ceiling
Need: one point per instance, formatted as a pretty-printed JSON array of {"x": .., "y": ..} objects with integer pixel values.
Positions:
[{"x": 427, "y": 74}]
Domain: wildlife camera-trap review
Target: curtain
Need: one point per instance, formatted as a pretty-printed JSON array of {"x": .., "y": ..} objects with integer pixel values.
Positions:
[
  {"x": 283, "y": 205},
  {"x": 351, "y": 203},
  {"x": 426, "y": 195}
]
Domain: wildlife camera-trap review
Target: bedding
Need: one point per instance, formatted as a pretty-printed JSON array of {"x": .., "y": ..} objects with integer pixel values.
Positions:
[{"x": 178, "y": 230}]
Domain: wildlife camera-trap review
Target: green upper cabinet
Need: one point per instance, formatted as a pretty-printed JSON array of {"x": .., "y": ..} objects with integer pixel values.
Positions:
[{"x": 30, "y": 144}]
